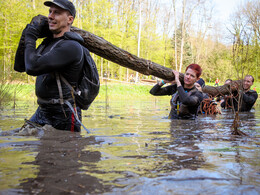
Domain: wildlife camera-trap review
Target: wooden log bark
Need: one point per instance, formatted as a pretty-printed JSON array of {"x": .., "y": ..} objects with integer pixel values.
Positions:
[
  {"x": 107, "y": 50},
  {"x": 224, "y": 89}
]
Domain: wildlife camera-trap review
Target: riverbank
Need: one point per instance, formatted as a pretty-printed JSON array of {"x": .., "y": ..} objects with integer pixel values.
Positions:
[{"x": 108, "y": 90}]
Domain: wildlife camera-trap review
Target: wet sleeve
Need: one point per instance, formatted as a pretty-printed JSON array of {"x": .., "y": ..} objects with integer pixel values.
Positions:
[
  {"x": 190, "y": 100},
  {"x": 250, "y": 98},
  {"x": 19, "y": 64},
  {"x": 63, "y": 54},
  {"x": 158, "y": 90}
]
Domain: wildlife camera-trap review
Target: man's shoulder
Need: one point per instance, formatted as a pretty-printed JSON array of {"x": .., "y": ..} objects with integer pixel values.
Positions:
[
  {"x": 68, "y": 42},
  {"x": 253, "y": 92}
]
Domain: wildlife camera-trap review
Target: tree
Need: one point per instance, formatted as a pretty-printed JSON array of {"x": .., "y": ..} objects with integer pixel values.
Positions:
[{"x": 245, "y": 50}]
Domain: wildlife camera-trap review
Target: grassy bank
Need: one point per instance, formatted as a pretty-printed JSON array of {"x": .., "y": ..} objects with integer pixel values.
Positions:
[
  {"x": 10, "y": 92},
  {"x": 111, "y": 91}
]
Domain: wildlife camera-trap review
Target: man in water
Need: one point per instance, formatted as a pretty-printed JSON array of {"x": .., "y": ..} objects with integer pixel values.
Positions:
[
  {"x": 57, "y": 55},
  {"x": 248, "y": 96}
]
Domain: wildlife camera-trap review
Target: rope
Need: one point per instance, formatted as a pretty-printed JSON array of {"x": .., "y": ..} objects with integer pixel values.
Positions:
[{"x": 76, "y": 116}]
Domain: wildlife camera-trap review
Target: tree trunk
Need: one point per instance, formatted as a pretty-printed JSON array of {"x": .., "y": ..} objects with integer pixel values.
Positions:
[{"x": 105, "y": 49}]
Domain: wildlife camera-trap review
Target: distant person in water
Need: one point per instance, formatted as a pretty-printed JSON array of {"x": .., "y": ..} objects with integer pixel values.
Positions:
[
  {"x": 248, "y": 97},
  {"x": 228, "y": 81},
  {"x": 186, "y": 98}
]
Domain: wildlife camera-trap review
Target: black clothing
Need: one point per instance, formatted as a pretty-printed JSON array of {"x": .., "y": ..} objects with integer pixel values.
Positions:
[
  {"x": 54, "y": 116},
  {"x": 54, "y": 55},
  {"x": 248, "y": 99},
  {"x": 184, "y": 102}
]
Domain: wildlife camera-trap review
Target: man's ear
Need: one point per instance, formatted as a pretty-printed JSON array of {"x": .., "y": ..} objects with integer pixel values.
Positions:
[{"x": 71, "y": 19}]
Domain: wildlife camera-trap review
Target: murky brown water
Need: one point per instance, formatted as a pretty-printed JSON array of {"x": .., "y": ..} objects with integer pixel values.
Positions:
[{"x": 132, "y": 149}]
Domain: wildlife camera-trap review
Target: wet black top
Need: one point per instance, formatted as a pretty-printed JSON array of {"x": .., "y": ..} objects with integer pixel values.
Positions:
[
  {"x": 53, "y": 55},
  {"x": 248, "y": 100},
  {"x": 190, "y": 100}
]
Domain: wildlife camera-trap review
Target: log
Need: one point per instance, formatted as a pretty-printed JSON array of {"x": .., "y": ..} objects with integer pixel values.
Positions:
[
  {"x": 107, "y": 50},
  {"x": 224, "y": 89}
]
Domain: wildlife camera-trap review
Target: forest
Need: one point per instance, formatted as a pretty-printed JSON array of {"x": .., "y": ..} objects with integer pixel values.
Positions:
[{"x": 173, "y": 34}]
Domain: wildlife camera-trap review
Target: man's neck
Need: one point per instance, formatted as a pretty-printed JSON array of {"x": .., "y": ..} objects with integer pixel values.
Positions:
[
  {"x": 246, "y": 90},
  {"x": 60, "y": 34}
]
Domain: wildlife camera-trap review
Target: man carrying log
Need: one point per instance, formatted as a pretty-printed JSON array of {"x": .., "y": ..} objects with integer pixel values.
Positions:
[
  {"x": 58, "y": 55},
  {"x": 244, "y": 99}
]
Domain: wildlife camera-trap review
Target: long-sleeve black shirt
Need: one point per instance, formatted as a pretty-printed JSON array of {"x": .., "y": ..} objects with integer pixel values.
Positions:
[
  {"x": 57, "y": 55},
  {"x": 248, "y": 100},
  {"x": 190, "y": 100}
]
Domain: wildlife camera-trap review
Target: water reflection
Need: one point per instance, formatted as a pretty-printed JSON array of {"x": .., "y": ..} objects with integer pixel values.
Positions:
[{"x": 60, "y": 159}]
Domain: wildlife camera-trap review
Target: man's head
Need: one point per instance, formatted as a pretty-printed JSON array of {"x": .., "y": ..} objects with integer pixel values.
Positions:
[
  {"x": 228, "y": 81},
  {"x": 61, "y": 16},
  {"x": 248, "y": 82},
  {"x": 200, "y": 84}
]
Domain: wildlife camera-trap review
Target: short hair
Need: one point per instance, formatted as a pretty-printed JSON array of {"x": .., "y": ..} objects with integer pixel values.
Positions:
[
  {"x": 251, "y": 77},
  {"x": 196, "y": 68},
  {"x": 228, "y": 80}
]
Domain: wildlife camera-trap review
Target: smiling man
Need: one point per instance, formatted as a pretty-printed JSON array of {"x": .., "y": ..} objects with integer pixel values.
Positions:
[
  {"x": 248, "y": 97},
  {"x": 60, "y": 54}
]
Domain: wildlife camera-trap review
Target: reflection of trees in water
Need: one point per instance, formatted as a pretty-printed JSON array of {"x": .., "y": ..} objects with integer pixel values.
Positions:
[
  {"x": 60, "y": 159},
  {"x": 181, "y": 152}
]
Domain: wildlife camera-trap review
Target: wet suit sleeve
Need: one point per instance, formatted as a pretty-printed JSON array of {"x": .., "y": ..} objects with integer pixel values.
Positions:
[
  {"x": 191, "y": 100},
  {"x": 19, "y": 64},
  {"x": 250, "y": 98},
  {"x": 63, "y": 54},
  {"x": 158, "y": 90}
]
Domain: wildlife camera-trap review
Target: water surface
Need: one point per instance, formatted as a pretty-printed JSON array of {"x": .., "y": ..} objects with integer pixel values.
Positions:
[{"x": 133, "y": 148}]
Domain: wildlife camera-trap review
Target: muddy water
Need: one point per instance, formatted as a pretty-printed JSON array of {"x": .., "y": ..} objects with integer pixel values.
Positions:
[{"x": 132, "y": 149}]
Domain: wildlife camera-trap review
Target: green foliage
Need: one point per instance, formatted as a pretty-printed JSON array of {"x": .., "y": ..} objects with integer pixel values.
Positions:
[
  {"x": 117, "y": 90},
  {"x": 117, "y": 21},
  {"x": 11, "y": 92}
]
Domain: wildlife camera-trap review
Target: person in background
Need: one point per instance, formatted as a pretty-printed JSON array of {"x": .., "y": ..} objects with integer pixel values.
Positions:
[
  {"x": 186, "y": 98},
  {"x": 216, "y": 82},
  {"x": 247, "y": 96},
  {"x": 228, "y": 81}
]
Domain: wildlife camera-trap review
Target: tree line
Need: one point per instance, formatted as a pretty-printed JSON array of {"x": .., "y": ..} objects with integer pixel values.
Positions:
[{"x": 173, "y": 34}]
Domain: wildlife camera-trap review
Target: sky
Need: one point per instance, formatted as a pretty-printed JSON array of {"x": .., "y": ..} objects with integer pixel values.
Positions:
[
  {"x": 224, "y": 8},
  {"x": 222, "y": 12}
]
